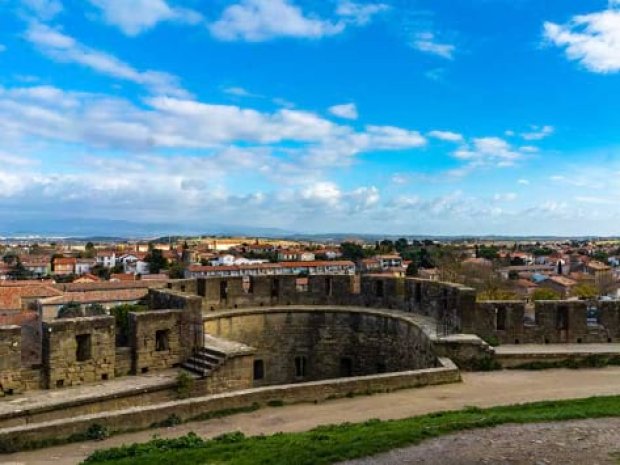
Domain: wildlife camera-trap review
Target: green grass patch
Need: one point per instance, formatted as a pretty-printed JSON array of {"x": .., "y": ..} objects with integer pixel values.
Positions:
[{"x": 330, "y": 444}]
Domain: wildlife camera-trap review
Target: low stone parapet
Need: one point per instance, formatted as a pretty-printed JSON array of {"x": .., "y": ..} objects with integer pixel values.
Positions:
[{"x": 31, "y": 435}]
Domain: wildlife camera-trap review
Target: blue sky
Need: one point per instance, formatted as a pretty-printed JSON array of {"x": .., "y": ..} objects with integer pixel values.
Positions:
[{"x": 396, "y": 116}]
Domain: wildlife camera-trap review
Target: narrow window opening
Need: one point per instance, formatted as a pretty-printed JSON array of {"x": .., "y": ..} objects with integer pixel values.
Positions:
[
  {"x": 83, "y": 350},
  {"x": 162, "y": 342}
]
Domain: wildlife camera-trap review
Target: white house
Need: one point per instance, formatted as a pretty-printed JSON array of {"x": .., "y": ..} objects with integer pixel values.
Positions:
[{"x": 106, "y": 258}]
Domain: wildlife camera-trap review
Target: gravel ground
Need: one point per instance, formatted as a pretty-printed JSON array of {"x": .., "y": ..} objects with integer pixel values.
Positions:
[{"x": 584, "y": 442}]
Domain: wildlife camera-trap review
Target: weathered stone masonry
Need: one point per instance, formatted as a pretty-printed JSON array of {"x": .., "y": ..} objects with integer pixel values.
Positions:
[
  {"x": 306, "y": 345},
  {"x": 78, "y": 351}
]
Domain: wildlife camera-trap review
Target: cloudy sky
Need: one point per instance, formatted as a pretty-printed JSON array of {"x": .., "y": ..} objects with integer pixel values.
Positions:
[{"x": 387, "y": 116}]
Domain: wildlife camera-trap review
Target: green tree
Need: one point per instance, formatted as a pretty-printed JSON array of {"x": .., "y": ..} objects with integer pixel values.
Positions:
[
  {"x": 95, "y": 310},
  {"x": 121, "y": 316},
  {"x": 352, "y": 251},
  {"x": 401, "y": 244},
  {"x": 89, "y": 250},
  {"x": 70, "y": 310},
  {"x": 489, "y": 252},
  {"x": 100, "y": 271},
  {"x": 412, "y": 269},
  {"x": 584, "y": 291},
  {"x": 543, "y": 293},
  {"x": 156, "y": 261},
  {"x": 177, "y": 271},
  {"x": 601, "y": 256}
]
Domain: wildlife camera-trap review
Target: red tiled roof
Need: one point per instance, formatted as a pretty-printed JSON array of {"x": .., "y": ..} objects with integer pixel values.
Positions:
[
  {"x": 117, "y": 295},
  {"x": 122, "y": 277},
  {"x": 312, "y": 264},
  {"x": 109, "y": 285},
  {"x": 11, "y": 296},
  {"x": 18, "y": 318},
  {"x": 65, "y": 261}
]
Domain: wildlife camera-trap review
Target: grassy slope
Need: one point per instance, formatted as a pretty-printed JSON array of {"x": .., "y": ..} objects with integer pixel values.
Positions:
[{"x": 330, "y": 444}]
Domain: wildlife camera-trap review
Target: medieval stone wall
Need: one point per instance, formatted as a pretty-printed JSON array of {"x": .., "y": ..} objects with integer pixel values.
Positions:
[
  {"x": 554, "y": 321},
  {"x": 443, "y": 301},
  {"x": 78, "y": 351},
  {"x": 155, "y": 338},
  {"x": 10, "y": 360},
  {"x": 306, "y": 345}
]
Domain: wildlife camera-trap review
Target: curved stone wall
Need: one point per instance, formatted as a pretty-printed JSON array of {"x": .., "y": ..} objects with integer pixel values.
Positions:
[{"x": 329, "y": 343}]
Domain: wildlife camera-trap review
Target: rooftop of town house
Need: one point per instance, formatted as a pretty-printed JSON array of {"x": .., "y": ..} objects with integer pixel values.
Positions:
[
  {"x": 308, "y": 264},
  {"x": 117, "y": 295}
]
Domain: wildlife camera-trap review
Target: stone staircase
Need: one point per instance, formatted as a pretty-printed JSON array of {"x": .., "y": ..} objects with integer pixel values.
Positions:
[{"x": 204, "y": 361}]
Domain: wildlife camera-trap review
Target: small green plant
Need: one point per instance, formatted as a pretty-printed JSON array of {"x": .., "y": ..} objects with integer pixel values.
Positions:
[
  {"x": 229, "y": 438},
  {"x": 492, "y": 340},
  {"x": 275, "y": 403},
  {"x": 97, "y": 432},
  {"x": 170, "y": 421},
  {"x": 483, "y": 364},
  {"x": 185, "y": 385}
]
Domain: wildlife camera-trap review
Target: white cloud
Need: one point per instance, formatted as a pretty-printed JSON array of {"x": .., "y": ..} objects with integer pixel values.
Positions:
[
  {"x": 15, "y": 160},
  {"x": 489, "y": 150},
  {"x": 346, "y": 110},
  {"x": 595, "y": 200},
  {"x": 360, "y": 14},
  {"x": 507, "y": 197},
  {"x": 44, "y": 9},
  {"x": 425, "y": 42},
  {"x": 390, "y": 137},
  {"x": 593, "y": 39},
  {"x": 538, "y": 133},
  {"x": 169, "y": 123},
  {"x": 260, "y": 20},
  {"x": 136, "y": 16},
  {"x": 63, "y": 48},
  {"x": 238, "y": 92},
  {"x": 446, "y": 136},
  {"x": 523, "y": 182}
]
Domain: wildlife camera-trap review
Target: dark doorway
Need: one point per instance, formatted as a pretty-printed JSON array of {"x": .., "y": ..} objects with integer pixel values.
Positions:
[
  {"x": 223, "y": 290},
  {"x": 346, "y": 367},
  {"x": 329, "y": 287},
  {"x": 300, "y": 366},
  {"x": 418, "y": 293},
  {"x": 562, "y": 319},
  {"x": 500, "y": 319},
  {"x": 379, "y": 288},
  {"x": 259, "y": 370}
]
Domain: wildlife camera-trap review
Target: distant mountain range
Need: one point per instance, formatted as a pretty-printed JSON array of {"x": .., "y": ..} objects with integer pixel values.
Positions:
[
  {"x": 119, "y": 229},
  {"x": 110, "y": 230}
]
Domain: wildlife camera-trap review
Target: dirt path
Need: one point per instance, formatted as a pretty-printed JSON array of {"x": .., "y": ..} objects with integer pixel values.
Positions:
[
  {"x": 479, "y": 389},
  {"x": 591, "y": 442}
]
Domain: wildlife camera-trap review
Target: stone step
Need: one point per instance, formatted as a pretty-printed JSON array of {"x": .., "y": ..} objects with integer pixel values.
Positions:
[
  {"x": 194, "y": 368},
  {"x": 206, "y": 364},
  {"x": 211, "y": 352},
  {"x": 208, "y": 357}
]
